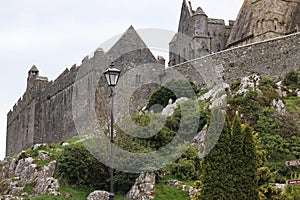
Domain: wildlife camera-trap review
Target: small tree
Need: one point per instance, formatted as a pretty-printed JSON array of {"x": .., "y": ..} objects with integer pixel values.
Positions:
[
  {"x": 237, "y": 151},
  {"x": 229, "y": 171},
  {"x": 250, "y": 165},
  {"x": 216, "y": 178}
]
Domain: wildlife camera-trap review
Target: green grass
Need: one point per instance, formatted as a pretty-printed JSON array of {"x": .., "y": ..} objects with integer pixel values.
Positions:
[
  {"x": 164, "y": 192},
  {"x": 44, "y": 197},
  {"x": 293, "y": 104},
  {"x": 120, "y": 197},
  {"x": 75, "y": 193},
  {"x": 184, "y": 182},
  {"x": 202, "y": 92},
  {"x": 73, "y": 140}
]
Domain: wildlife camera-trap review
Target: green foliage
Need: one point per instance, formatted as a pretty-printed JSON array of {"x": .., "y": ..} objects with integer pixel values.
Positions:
[
  {"x": 75, "y": 193},
  {"x": 292, "y": 192},
  {"x": 293, "y": 104},
  {"x": 188, "y": 166},
  {"x": 277, "y": 152},
  {"x": 266, "y": 83},
  {"x": 268, "y": 123},
  {"x": 292, "y": 79},
  {"x": 164, "y": 192},
  {"x": 172, "y": 90},
  {"x": 46, "y": 197},
  {"x": 184, "y": 169},
  {"x": 248, "y": 104},
  {"x": 266, "y": 189},
  {"x": 234, "y": 87},
  {"x": 216, "y": 178},
  {"x": 244, "y": 161},
  {"x": 229, "y": 169},
  {"x": 76, "y": 166},
  {"x": 250, "y": 164},
  {"x": 185, "y": 125},
  {"x": 202, "y": 92}
]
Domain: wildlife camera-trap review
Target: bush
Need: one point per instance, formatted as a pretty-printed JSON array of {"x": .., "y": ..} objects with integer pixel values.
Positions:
[
  {"x": 172, "y": 90},
  {"x": 292, "y": 79},
  {"x": 76, "y": 166},
  {"x": 188, "y": 166}
]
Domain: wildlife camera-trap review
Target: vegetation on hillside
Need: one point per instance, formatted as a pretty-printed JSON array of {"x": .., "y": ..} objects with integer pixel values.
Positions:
[{"x": 245, "y": 163}]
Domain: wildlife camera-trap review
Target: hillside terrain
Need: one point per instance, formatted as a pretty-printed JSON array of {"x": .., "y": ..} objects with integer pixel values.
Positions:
[{"x": 261, "y": 121}]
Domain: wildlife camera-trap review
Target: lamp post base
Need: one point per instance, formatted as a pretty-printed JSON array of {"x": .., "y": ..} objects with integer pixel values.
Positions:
[{"x": 111, "y": 196}]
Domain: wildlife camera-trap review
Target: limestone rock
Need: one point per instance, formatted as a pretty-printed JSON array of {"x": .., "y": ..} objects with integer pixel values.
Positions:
[
  {"x": 22, "y": 164},
  {"x": 169, "y": 109},
  {"x": 199, "y": 140},
  {"x": 216, "y": 95},
  {"x": 143, "y": 187},
  {"x": 248, "y": 82},
  {"x": 279, "y": 106},
  {"x": 98, "y": 195},
  {"x": 44, "y": 155},
  {"x": 22, "y": 170},
  {"x": 28, "y": 175},
  {"x": 47, "y": 185}
]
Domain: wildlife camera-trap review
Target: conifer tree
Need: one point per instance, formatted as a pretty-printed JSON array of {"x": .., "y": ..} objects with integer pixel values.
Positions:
[
  {"x": 229, "y": 170},
  {"x": 215, "y": 179},
  {"x": 237, "y": 150},
  {"x": 250, "y": 184}
]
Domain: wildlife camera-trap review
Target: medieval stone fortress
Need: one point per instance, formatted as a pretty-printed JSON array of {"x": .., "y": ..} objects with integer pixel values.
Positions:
[{"x": 264, "y": 39}]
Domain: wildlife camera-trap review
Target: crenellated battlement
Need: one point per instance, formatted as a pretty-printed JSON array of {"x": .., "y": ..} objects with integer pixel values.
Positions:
[{"x": 44, "y": 112}]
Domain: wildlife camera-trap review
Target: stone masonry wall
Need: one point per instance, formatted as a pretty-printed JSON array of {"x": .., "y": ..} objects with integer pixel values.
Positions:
[
  {"x": 21, "y": 119},
  {"x": 272, "y": 58},
  {"x": 44, "y": 114}
]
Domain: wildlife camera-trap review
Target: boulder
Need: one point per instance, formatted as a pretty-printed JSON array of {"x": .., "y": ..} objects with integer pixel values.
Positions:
[
  {"x": 98, "y": 195},
  {"x": 143, "y": 187}
]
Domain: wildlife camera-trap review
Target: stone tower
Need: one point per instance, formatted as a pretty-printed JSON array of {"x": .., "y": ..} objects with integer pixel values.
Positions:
[
  {"x": 260, "y": 20},
  {"x": 201, "y": 43},
  {"x": 197, "y": 36},
  {"x": 33, "y": 73}
]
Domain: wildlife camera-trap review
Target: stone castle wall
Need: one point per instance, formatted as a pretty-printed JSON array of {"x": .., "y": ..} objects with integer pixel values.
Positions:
[
  {"x": 272, "y": 58},
  {"x": 44, "y": 113},
  {"x": 21, "y": 120}
]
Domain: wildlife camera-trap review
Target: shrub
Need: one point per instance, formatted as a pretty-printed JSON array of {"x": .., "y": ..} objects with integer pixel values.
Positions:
[
  {"x": 291, "y": 79},
  {"x": 172, "y": 90},
  {"x": 76, "y": 166},
  {"x": 188, "y": 166}
]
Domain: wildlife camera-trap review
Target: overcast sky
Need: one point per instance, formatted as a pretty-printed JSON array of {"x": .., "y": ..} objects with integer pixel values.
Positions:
[{"x": 55, "y": 34}]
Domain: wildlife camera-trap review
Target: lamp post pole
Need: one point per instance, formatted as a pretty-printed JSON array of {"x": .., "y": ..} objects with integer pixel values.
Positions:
[
  {"x": 111, "y": 194},
  {"x": 112, "y": 76}
]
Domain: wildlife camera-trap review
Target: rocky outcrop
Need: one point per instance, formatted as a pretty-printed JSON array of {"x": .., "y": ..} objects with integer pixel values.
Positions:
[
  {"x": 22, "y": 171},
  {"x": 98, "y": 195},
  {"x": 170, "y": 108},
  {"x": 143, "y": 187},
  {"x": 279, "y": 106}
]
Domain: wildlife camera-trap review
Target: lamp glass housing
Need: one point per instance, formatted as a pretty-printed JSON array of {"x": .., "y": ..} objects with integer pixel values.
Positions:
[{"x": 112, "y": 76}]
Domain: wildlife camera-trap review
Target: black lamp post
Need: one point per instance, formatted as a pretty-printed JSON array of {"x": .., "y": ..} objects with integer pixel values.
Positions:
[{"x": 112, "y": 76}]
